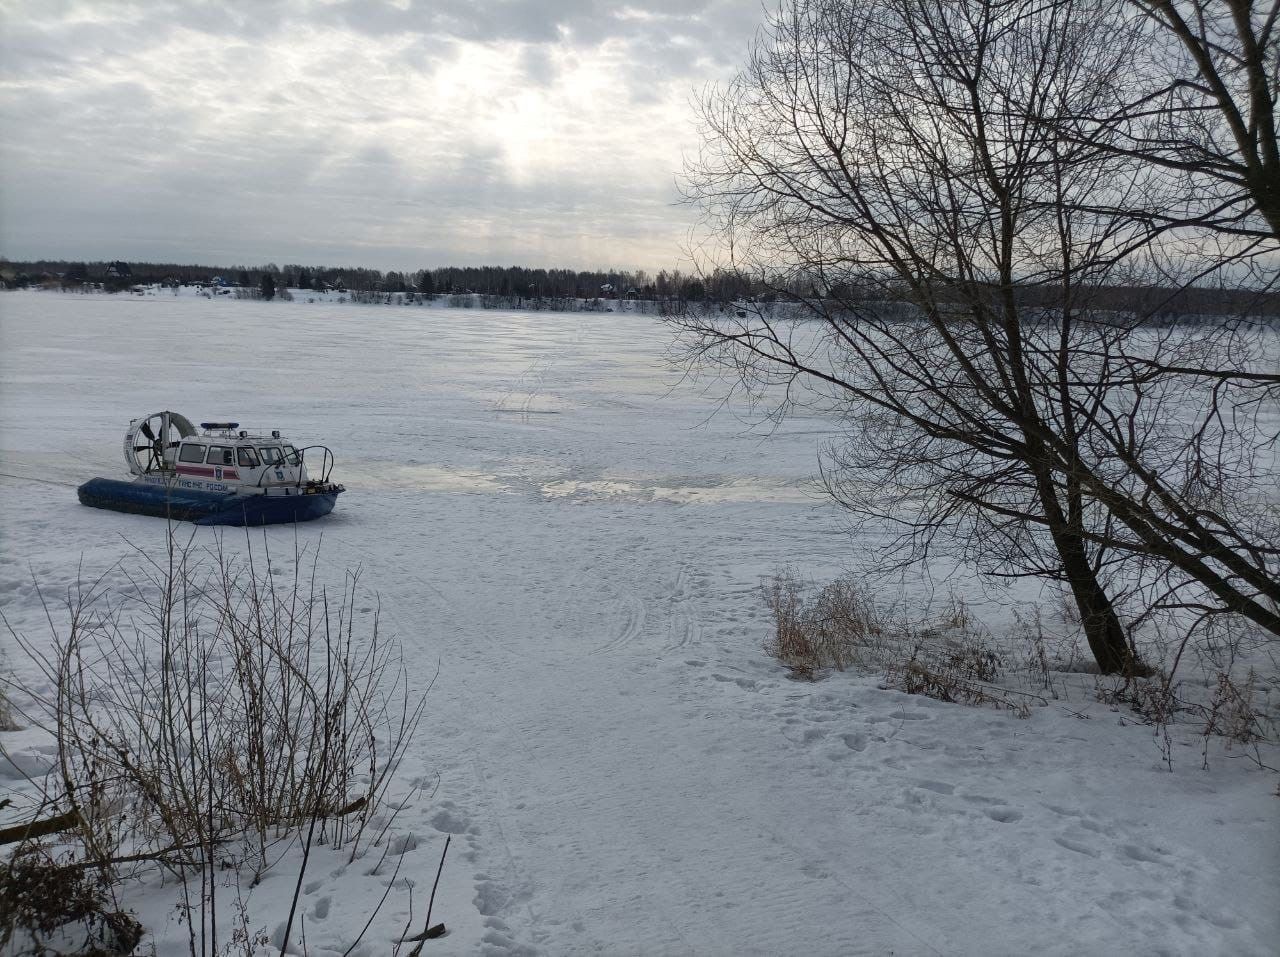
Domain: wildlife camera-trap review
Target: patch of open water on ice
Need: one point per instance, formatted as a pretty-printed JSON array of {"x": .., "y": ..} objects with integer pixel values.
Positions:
[
  {"x": 778, "y": 491},
  {"x": 597, "y": 490},
  {"x": 431, "y": 478},
  {"x": 676, "y": 490},
  {"x": 710, "y": 491}
]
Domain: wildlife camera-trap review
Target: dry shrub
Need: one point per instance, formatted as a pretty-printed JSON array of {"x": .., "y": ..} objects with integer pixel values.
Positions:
[
  {"x": 842, "y": 627},
  {"x": 1234, "y": 710},
  {"x": 217, "y": 706},
  {"x": 957, "y": 666},
  {"x": 59, "y": 907},
  {"x": 973, "y": 660},
  {"x": 849, "y": 625},
  {"x": 1037, "y": 668},
  {"x": 1152, "y": 697},
  {"x": 949, "y": 684},
  {"x": 1152, "y": 700}
]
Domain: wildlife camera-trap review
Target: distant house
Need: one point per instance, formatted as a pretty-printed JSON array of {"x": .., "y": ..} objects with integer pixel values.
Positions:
[{"x": 119, "y": 270}]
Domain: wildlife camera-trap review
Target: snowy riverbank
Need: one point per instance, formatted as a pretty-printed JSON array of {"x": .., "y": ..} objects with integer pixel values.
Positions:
[{"x": 557, "y": 523}]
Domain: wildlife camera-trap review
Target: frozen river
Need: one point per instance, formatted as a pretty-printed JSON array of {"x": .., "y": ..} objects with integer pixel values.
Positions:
[{"x": 563, "y": 527}]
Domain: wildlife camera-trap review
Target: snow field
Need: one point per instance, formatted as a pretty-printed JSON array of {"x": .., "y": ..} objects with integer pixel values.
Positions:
[{"x": 558, "y": 524}]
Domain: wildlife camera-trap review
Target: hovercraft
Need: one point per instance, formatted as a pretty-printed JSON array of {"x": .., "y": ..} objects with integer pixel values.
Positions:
[{"x": 216, "y": 475}]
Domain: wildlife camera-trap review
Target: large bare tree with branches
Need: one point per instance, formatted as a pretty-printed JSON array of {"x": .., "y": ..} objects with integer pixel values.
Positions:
[
  {"x": 960, "y": 184},
  {"x": 1199, "y": 106}
]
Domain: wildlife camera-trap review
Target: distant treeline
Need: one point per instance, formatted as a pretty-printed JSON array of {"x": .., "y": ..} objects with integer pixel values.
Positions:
[{"x": 517, "y": 283}]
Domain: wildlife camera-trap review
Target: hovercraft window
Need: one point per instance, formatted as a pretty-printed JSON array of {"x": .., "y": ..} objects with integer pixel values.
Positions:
[
  {"x": 291, "y": 454},
  {"x": 219, "y": 455},
  {"x": 246, "y": 457},
  {"x": 191, "y": 453},
  {"x": 271, "y": 455}
]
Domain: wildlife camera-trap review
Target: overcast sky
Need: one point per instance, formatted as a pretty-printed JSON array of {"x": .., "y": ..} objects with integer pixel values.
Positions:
[{"x": 380, "y": 133}]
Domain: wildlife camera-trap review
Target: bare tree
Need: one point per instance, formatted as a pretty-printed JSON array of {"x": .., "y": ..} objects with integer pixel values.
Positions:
[
  {"x": 911, "y": 153},
  {"x": 1199, "y": 108}
]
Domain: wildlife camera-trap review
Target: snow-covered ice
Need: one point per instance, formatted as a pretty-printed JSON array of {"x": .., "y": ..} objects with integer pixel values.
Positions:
[{"x": 562, "y": 526}]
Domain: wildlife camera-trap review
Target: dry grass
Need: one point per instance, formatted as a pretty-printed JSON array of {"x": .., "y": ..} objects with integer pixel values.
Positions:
[{"x": 945, "y": 655}]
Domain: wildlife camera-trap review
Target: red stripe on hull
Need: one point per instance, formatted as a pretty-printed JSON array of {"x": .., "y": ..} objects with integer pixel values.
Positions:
[{"x": 205, "y": 471}]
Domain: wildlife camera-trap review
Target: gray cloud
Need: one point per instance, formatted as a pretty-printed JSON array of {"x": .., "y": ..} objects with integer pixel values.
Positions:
[
  {"x": 397, "y": 134},
  {"x": 537, "y": 65}
]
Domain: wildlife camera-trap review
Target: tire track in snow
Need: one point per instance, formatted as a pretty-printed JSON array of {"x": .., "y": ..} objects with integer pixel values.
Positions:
[
  {"x": 685, "y": 626},
  {"x": 630, "y": 625},
  {"x": 529, "y": 384}
]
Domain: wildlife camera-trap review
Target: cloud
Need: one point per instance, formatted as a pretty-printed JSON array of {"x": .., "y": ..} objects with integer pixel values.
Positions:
[
  {"x": 405, "y": 133},
  {"x": 538, "y": 65}
]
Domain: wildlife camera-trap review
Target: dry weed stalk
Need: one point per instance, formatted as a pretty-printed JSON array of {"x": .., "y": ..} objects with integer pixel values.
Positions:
[
  {"x": 1234, "y": 713},
  {"x": 7, "y": 720}
]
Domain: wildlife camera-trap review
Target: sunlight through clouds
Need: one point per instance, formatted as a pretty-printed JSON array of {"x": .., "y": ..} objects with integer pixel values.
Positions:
[{"x": 404, "y": 134}]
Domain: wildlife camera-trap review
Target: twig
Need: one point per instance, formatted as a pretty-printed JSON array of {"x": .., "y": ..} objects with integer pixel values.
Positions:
[
  {"x": 429, "y": 932},
  {"x": 439, "y": 871}
]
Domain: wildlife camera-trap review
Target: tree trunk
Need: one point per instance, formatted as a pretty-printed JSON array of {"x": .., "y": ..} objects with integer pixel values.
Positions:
[
  {"x": 1102, "y": 628},
  {"x": 1098, "y": 618}
]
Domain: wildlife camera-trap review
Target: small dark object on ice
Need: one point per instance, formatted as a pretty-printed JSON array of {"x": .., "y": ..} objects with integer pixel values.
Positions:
[{"x": 431, "y": 933}]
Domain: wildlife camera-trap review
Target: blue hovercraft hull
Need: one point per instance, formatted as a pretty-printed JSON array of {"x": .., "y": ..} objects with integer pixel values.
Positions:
[{"x": 205, "y": 508}]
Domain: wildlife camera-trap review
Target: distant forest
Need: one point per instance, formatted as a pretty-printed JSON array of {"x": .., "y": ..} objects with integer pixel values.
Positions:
[
  {"x": 518, "y": 282},
  {"x": 486, "y": 280}
]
